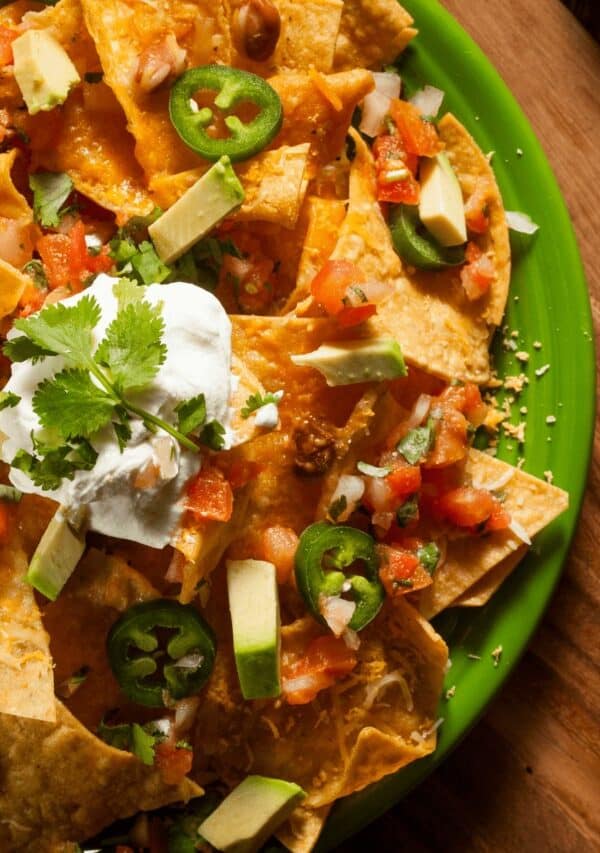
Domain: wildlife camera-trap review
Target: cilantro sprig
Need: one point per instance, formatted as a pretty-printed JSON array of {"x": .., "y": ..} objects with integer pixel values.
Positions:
[
  {"x": 50, "y": 192},
  {"x": 91, "y": 392},
  {"x": 258, "y": 400}
]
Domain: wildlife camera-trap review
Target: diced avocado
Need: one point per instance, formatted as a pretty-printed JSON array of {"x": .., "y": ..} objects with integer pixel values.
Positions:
[
  {"x": 213, "y": 197},
  {"x": 254, "y": 607},
  {"x": 356, "y": 361},
  {"x": 55, "y": 558},
  {"x": 441, "y": 207},
  {"x": 43, "y": 70},
  {"x": 250, "y": 814}
]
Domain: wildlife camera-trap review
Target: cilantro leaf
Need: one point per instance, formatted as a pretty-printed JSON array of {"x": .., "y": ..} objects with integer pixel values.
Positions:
[
  {"x": 257, "y": 401},
  {"x": 213, "y": 435},
  {"x": 191, "y": 414},
  {"x": 8, "y": 400},
  {"x": 429, "y": 556},
  {"x": 22, "y": 349},
  {"x": 142, "y": 262},
  {"x": 10, "y": 495},
  {"x": 64, "y": 330},
  {"x": 122, "y": 428},
  {"x": 126, "y": 292},
  {"x": 133, "y": 349},
  {"x": 142, "y": 744},
  {"x": 50, "y": 191},
  {"x": 408, "y": 511},
  {"x": 136, "y": 228},
  {"x": 131, "y": 737},
  {"x": 35, "y": 270},
  {"x": 55, "y": 463},
  {"x": 72, "y": 404},
  {"x": 417, "y": 443},
  {"x": 337, "y": 507}
]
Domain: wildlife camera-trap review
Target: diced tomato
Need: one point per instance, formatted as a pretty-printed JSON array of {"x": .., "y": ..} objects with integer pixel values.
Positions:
[
  {"x": 401, "y": 571},
  {"x": 209, "y": 495},
  {"x": 476, "y": 208},
  {"x": 54, "y": 250},
  {"x": 330, "y": 285},
  {"x": 66, "y": 258},
  {"x": 7, "y": 36},
  {"x": 252, "y": 278},
  {"x": 466, "y": 399},
  {"x": 389, "y": 157},
  {"x": 78, "y": 255},
  {"x": 174, "y": 764},
  {"x": 31, "y": 300},
  {"x": 478, "y": 274},
  {"x": 326, "y": 660},
  {"x": 239, "y": 472},
  {"x": 279, "y": 547},
  {"x": 102, "y": 262},
  {"x": 404, "y": 480},
  {"x": 498, "y": 520},
  {"x": 418, "y": 136},
  {"x": 355, "y": 314},
  {"x": 451, "y": 440},
  {"x": 469, "y": 507}
]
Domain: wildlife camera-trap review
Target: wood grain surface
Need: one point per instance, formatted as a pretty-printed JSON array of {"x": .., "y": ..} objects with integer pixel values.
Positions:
[{"x": 527, "y": 778}]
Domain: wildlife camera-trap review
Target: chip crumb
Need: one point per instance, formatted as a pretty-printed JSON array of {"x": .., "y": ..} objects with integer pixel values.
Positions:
[
  {"x": 451, "y": 692},
  {"x": 509, "y": 344},
  {"x": 496, "y": 655},
  {"x": 551, "y": 419},
  {"x": 537, "y": 344},
  {"x": 541, "y": 370},
  {"x": 514, "y": 333},
  {"x": 473, "y": 657},
  {"x": 520, "y": 462},
  {"x": 516, "y": 383},
  {"x": 523, "y": 410},
  {"x": 519, "y": 152},
  {"x": 516, "y": 431},
  {"x": 549, "y": 476},
  {"x": 522, "y": 356},
  {"x": 516, "y": 298}
]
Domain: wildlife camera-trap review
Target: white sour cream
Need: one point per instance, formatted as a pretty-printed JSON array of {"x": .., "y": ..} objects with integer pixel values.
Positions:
[{"x": 198, "y": 339}]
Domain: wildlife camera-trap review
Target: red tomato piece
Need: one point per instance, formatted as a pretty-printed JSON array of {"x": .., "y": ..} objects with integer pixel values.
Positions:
[
  {"x": 327, "y": 659},
  {"x": 279, "y": 547},
  {"x": 7, "y": 36},
  {"x": 418, "y": 136},
  {"x": 404, "y": 480},
  {"x": 478, "y": 274},
  {"x": 54, "y": 250},
  {"x": 353, "y": 315},
  {"x": 466, "y": 507},
  {"x": 209, "y": 496},
  {"x": 401, "y": 571},
  {"x": 390, "y": 156},
  {"x": 174, "y": 764},
  {"x": 466, "y": 399},
  {"x": 451, "y": 440},
  {"x": 330, "y": 285}
]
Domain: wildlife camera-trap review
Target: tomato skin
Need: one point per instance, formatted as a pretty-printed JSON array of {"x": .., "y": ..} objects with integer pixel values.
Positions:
[
  {"x": 466, "y": 399},
  {"x": 404, "y": 480},
  {"x": 451, "y": 441},
  {"x": 388, "y": 150},
  {"x": 326, "y": 659},
  {"x": 66, "y": 259},
  {"x": 7, "y": 36},
  {"x": 466, "y": 506},
  {"x": 209, "y": 496},
  {"x": 54, "y": 249},
  {"x": 418, "y": 136},
  {"x": 173, "y": 764},
  {"x": 355, "y": 314},
  {"x": 330, "y": 285},
  {"x": 401, "y": 571}
]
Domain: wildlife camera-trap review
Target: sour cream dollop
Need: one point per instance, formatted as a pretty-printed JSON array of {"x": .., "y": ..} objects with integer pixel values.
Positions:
[{"x": 198, "y": 339}]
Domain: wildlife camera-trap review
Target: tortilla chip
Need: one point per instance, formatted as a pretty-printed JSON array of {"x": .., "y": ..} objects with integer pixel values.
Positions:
[
  {"x": 307, "y": 40},
  {"x": 532, "y": 503},
  {"x": 471, "y": 166},
  {"x": 372, "y": 33},
  {"x": 122, "y": 30},
  {"x": 301, "y": 832},
  {"x": 12, "y": 285},
  {"x": 64, "y": 21},
  {"x": 13, "y": 205},
  {"x": 14, "y": 212},
  {"x": 311, "y": 116},
  {"x": 437, "y": 331},
  {"x": 481, "y": 592},
  {"x": 26, "y": 675},
  {"x": 336, "y": 745},
  {"x": 274, "y": 183},
  {"x": 95, "y": 149},
  {"x": 325, "y": 215},
  {"x": 11, "y": 14},
  {"x": 60, "y": 782}
]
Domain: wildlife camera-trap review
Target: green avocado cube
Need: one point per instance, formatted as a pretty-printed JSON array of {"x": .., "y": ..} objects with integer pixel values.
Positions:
[
  {"x": 56, "y": 557},
  {"x": 254, "y": 608},
  {"x": 250, "y": 814},
  {"x": 441, "y": 206},
  {"x": 43, "y": 71},
  {"x": 213, "y": 197},
  {"x": 348, "y": 362}
]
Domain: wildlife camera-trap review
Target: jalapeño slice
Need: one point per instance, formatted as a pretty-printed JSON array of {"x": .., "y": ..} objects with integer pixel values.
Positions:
[{"x": 416, "y": 246}]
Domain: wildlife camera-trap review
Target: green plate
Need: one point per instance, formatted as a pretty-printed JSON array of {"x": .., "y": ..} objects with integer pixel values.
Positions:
[{"x": 548, "y": 303}]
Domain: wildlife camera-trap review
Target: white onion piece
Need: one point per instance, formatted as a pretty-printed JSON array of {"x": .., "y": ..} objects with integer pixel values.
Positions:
[
  {"x": 375, "y": 108},
  {"x": 16, "y": 244},
  {"x": 376, "y": 290},
  {"x": 337, "y": 612},
  {"x": 387, "y": 83},
  {"x": 163, "y": 726},
  {"x": 352, "y": 488},
  {"x": 302, "y": 682},
  {"x": 166, "y": 456},
  {"x": 428, "y": 100},
  {"x": 520, "y": 222},
  {"x": 417, "y": 737},
  {"x": 192, "y": 661},
  {"x": 418, "y": 412},
  {"x": 519, "y": 531},
  {"x": 383, "y": 520},
  {"x": 374, "y": 689},
  {"x": 351, "y": 639},
  {"x": 378, "y": 492},
  {"x": 494, "y": 485},
  {"x": 185, "y": 714}
]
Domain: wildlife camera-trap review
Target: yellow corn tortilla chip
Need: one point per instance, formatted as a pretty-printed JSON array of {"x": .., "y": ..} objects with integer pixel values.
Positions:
[
  {"x": 59, "y": 782},
  {"x": 274, "y": 182},
  {"x": 481, "y": 592},
  {"x": 307, "y": 39},
  {"x": 437, "y": 331},
  {"x": 341, "y": 742},
  {"x": 532, "y": 503},
  {"x": 64, "y": 21},
  {"x": 95, "y": 149},
  {"x": 16, "y": 217},
  {"x": 13, "y": 205},
  {"x": 372, "y": 33},
  {"x": 122, "y": 31},
  {"x": 471, "y": 166},
  {"x": 26, "y": 676},
  {"x": 301, "y": 832}
]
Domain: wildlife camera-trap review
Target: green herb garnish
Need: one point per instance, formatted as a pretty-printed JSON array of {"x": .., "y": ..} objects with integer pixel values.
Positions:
[
  {"x": 133, "y": 738},
  {"x": 429, "y": 556},
  {"x": 417, "y": 443},
  {"x": 257, "y": 401},
  {"x": 408, "y": 511},
  {"x": 50, "y": 191}
]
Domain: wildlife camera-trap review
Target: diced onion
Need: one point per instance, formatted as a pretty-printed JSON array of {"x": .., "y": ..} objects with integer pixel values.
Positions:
[
  {"x": 162, "y": 726},
  {"x": 376, "y": 290},
  {"x": 428, "y": 100},
  {"x": 352, "y": 488},
  {"x": 373, "y": 470},
  {"x": 351, "y": 639},
  {"x": 417, "y": 737},
  {"x": 375, "y": 687},
  {"x": 418, "y": 412},
  {"x": 519, "y": 531},
  {"x": 383, "y": 520},
  {"x": 494, "y": 485},
  {"x": 191, "y": 661},
  {"x": 520, "y": 222},
  {"x": 337, "y": 612},
  {"x": 166, "y": 456},
  {"x": 375, "y": 108},
  {"x": 387, "y": 83},
  {"x": 301, "y": 683},
  {"x": 185, "y": 714}
]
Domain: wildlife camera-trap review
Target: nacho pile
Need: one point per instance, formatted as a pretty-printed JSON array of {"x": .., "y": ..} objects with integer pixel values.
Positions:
[{"x": 360, "y": 329}]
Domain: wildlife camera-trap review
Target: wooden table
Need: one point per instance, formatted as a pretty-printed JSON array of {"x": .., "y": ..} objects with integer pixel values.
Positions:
[{"x": 527, "y": 778}]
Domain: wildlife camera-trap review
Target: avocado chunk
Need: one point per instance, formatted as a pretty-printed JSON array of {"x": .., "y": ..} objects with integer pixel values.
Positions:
[
  {"x": 213, "y": 197},
  {"x": 441, "y": 205},
  {"x": 254, "y": 608},
  {"x": 43, "y": 71},
  {"x": 349, "y": 362},
  {"x": 55, "y": 558},
  {"x": 250, "y": 814},
  {"x": 416, "y": 246}
]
